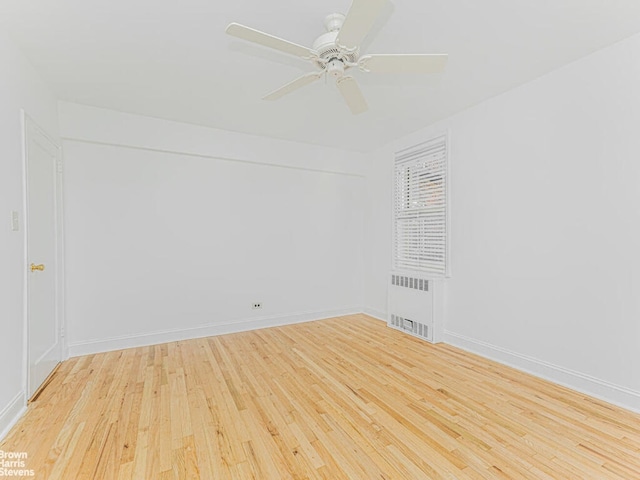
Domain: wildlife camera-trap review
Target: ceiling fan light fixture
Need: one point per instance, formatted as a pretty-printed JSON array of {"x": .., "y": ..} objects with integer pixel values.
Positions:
[{"x": 335, "y": 68}]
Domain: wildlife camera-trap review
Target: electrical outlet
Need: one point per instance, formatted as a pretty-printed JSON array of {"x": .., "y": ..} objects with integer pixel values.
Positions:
[{"x": 256, "y": 305}]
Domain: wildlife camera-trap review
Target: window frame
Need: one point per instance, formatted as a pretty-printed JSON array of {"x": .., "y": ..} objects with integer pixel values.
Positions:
[{"x": 442, "y": 137}]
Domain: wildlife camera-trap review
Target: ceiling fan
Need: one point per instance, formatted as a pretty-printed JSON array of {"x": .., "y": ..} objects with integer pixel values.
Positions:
[{"x": 338, "y": 50}]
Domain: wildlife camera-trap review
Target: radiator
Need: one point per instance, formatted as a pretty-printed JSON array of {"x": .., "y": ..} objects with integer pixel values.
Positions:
[{"x": 415, "y": 305}]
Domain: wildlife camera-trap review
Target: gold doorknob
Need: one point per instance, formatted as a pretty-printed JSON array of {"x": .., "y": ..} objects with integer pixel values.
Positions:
[{"x": 35, "y": 267}]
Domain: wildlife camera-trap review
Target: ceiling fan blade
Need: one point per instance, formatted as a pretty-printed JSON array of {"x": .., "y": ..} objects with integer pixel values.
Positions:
[
  {"x": 359, "y": 21},
  {"x": 352, "y": 94},
  {"x": 292, "y": 86},
  {"x": 261, "y": 38},
  {"x": 403, "y": 63}
]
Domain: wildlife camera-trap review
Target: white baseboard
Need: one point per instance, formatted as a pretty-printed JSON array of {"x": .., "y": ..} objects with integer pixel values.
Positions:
[
  {"x": 153, "y": 338},
  {"x": 10, "y": 414},
  {"x": 380, "y": 315},
  {"x": 615, "y": 394}
]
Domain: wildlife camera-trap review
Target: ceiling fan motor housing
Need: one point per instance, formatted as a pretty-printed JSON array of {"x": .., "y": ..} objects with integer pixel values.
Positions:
[{"x": 327, "y": 48}]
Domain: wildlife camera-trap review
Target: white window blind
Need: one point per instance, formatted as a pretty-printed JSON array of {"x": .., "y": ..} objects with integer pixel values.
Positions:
[{"x": 420, "y": 207}]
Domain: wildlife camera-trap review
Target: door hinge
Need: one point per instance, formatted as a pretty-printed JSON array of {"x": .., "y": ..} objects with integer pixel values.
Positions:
[{"x": 59, "y": 165}]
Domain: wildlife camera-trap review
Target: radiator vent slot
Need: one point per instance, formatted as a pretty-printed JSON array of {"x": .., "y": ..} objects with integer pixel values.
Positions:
[
  {"x": 410, "y": 326},
  {"x": 410, "y": 282}
]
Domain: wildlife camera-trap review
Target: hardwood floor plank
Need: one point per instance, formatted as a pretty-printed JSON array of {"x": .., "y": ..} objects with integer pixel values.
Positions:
[{"x": 338, "y": 399}]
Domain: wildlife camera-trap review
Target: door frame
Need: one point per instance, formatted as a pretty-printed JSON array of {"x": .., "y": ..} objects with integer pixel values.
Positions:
[{"x": 60, "y": 317}]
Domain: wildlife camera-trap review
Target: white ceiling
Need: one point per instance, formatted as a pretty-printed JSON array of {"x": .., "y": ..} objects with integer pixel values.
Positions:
[{"x": 171, "y": 59}]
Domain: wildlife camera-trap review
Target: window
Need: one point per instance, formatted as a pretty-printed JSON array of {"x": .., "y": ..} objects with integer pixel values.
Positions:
[{"x": 420, "y": 207}]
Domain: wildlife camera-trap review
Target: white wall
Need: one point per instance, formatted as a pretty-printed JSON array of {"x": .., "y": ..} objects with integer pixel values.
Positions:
[
  {"x": 545, "y": 225},
  {"x": 173, "y": 230},
  {"x": 20, "y": 88}
]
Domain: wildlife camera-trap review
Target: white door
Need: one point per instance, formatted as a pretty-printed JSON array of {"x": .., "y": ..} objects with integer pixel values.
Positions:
[{"x": 42, "y": 207}]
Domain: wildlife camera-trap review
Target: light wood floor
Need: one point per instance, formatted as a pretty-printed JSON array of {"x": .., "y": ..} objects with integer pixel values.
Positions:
[{"x": 343, "y": 398}]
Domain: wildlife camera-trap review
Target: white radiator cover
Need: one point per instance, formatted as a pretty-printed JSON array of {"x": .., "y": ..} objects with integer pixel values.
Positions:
[{"x": 415, "y": 305}]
